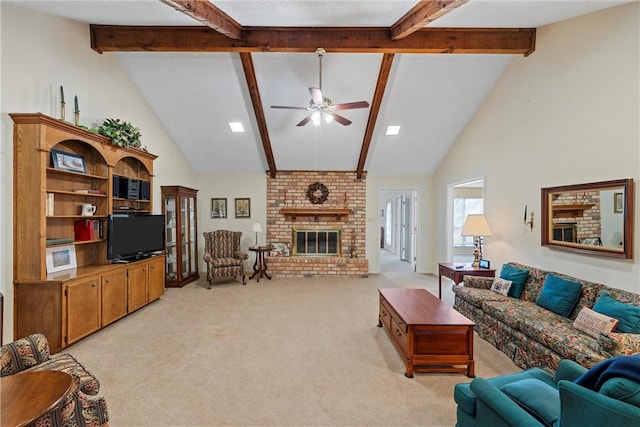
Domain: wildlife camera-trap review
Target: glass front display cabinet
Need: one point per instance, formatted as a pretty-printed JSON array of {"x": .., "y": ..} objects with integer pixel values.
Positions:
[{"x": 179, "y": 206}]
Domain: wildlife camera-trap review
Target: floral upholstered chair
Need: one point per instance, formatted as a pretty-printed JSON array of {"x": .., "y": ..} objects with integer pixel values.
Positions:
[
  {"x": 83, "y": 407},
  {"x": 223, "y": 255}
]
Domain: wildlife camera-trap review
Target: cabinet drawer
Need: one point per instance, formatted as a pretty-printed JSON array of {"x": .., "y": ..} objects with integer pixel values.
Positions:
[
  {"x": 399, "y": 334},
  {"x": 385, "y": 314}
]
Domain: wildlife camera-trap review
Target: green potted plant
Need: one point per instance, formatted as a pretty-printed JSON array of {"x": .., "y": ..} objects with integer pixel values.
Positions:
[{"x": 122, "y": 134}]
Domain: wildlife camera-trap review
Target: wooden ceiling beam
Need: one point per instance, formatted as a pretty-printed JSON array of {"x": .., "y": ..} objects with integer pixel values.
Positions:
[
  {"x": 381, "y": 84},
  {"x": 206, "y": 13},
  {"x": 423, "y": 13},
  {"x": 115, "y": 38},
  {"x": 254, "y": 92}
]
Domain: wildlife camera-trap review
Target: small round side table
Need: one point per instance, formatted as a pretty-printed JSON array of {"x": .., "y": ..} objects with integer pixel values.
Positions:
[{"x": 260, "y": 266}]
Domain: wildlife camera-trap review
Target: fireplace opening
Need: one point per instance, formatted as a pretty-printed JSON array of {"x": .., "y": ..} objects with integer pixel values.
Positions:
[
  {"x": 316, "y": 241},
  {"x": 566, "y": 232}
]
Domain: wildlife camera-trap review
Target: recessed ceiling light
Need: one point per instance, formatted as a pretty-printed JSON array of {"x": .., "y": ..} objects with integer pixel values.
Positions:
[
  {"x": 392, "y": 130},
  {"x": 236, "y": 127}
]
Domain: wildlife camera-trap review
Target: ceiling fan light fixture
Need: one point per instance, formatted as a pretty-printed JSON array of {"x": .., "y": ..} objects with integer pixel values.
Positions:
[
  {"x": 236, "y": 127},
  {"x": 315, "y": 118},
  {"x": 328, "y": 118},
  {"x": 392, "y": 130}
]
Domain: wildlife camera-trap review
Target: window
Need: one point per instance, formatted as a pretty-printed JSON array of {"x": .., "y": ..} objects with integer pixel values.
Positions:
[{"x": 461, "y": 208}]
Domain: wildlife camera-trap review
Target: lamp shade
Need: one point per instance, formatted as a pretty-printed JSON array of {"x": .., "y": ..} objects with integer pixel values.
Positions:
[
  {"x": 257, "y": 227},
  {"x": 476, "y": 225}
]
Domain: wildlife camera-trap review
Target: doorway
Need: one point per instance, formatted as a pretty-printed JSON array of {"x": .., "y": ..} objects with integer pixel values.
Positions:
[{"x": 398, "y": 229}]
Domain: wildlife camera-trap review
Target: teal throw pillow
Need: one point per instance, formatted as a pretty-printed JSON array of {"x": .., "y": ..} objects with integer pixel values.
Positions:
[
  {"x": 537, "y": 398},
  {"x": 628, "y": 315},
  {"x": 559, "y": 295},
  {"x": 622, "y": 389},
  {"x": 517, "y": 276}
]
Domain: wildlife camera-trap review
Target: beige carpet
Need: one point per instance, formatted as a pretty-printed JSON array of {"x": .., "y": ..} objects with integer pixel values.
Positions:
[{"x": 285, "y": 352}]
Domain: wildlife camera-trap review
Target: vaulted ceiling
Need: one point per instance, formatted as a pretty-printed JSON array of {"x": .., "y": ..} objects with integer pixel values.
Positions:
[{"x": 424, "y": 65}]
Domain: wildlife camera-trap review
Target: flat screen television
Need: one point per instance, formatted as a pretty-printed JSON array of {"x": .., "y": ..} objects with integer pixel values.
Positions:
[{"x": 134, "y": 236}]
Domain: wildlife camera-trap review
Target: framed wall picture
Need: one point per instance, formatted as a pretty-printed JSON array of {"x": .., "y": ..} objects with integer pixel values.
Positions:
[
  {"x": 59, "y": 258},
  {"x": 68, "y": 161},
  {"x": 218, "y": 208},
  {"x": 243, "y": 208},
  {"x": 617, "y": 202}
]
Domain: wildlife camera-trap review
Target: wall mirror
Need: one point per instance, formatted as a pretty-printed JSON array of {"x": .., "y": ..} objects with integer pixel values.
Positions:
[{"x": 595, "y": 218}]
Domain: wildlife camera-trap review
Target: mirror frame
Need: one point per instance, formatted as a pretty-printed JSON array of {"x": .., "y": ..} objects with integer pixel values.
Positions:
[{"x": 627, "y": 209}]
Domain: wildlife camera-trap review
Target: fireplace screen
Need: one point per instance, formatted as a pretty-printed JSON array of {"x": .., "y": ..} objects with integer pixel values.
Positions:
[{"x": 316, "y": 241}]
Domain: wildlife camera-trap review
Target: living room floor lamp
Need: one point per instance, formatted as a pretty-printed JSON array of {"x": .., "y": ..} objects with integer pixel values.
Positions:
[{"x": 476, "y": 225}]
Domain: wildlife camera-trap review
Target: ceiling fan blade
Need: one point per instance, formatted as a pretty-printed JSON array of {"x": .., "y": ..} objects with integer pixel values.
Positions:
[
  {"x": 288, "y": 107},
  {"x": 304, "y": 121},
  {"x": 340, "y": 119},
  {"x": 316, "y": 95},
  {"x": 351, "y": 105}
]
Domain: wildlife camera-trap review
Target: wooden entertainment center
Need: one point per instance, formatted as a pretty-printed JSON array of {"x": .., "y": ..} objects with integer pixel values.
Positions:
[{"x": 70, "y": 304}]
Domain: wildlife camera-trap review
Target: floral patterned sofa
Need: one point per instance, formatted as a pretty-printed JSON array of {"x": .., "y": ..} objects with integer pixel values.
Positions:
[
  {"x": 83, "y": 408},
  {"x": 533, "y": 336}
]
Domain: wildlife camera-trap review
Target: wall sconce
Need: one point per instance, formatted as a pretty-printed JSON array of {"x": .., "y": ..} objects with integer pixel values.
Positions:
[{"x": 528, "y": 222}]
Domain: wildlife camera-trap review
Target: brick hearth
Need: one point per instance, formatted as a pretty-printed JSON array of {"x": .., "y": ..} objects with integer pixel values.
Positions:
[{"x": 288, "y": 191}]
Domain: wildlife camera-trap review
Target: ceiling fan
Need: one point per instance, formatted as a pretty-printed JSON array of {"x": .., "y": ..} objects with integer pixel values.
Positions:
[{"x": 322, "y": 108}]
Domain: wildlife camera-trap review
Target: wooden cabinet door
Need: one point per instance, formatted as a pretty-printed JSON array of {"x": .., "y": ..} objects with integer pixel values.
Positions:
[
  {"x": 156, "y": 278},
  {"x": 83, "y": 308},
  {"x": 137, "y": 286},
  {"x": 114, "y": 296}
]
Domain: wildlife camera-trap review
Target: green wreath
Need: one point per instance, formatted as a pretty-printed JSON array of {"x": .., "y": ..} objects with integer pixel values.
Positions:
[{"x": 317, "y": 193}]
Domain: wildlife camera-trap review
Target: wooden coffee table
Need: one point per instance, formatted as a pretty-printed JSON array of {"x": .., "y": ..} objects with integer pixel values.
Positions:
[
  {"x": 29, "y": 395},
  {"x": 430, "y": 335}
]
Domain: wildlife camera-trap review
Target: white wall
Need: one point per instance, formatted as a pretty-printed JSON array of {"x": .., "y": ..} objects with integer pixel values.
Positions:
[
  {"x": 577, "y": 95},
  {"x": 40, "y": 53},
  {"x": 232, "y": 186}
]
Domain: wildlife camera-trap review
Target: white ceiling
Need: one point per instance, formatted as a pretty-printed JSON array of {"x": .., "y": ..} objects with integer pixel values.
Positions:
[{"x": 431, "y": 96}]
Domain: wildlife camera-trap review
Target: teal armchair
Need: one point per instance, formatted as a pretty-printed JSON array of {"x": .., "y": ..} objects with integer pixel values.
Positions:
[{"x": 535, "y": 398}]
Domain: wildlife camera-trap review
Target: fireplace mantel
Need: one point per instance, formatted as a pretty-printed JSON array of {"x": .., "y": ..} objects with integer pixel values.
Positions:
[{"x": 291, "y": 214}]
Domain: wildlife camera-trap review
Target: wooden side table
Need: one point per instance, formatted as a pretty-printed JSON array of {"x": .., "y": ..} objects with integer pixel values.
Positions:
[
  {"x": 260, "y": 266},
  {"x": 448, "y": 269},
  {"x": 28, "y": 396}
]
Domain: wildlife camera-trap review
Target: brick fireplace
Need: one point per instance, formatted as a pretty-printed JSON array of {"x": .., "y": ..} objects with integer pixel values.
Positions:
[{"x": 332, "y": 232}]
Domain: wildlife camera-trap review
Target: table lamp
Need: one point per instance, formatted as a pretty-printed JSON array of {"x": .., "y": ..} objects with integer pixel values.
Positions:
[
  {"x": 476, "y": 225},
  {"x": 258, "y": 229}
]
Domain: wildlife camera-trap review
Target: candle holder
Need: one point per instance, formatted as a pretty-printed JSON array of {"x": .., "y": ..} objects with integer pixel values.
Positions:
[
  {"x": 76, "y": 118},
  {"x": 62, "y": 110}
]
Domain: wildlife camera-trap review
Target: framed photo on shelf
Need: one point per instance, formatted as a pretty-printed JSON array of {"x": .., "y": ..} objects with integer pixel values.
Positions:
[
  {"x": 68, "y": 161},
  {"x": 243, "y": 208},
  {"x": 219, "y": 208},
  {"x": 279, "y": 249},
  {"x": 59, "y": 258}
]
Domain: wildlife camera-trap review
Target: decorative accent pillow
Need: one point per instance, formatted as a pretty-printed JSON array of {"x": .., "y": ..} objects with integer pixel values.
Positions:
[
  {"x": 593, "y": 323},
  {"x": 537, "y": 398},
  {"x": 622, "y": 389},
  {"x": 628, "y": 315},
  {"x": 517, "y": 275},
  {"x": 559, "y": 295},
  {"x": 501, "y": 286}
]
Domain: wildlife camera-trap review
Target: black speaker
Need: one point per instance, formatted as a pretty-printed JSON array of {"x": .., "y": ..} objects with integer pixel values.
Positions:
[
  {"x": 133, "y": 190},
  {"x": 124, "y": 187},
  {"x": 145, "y": 193},
  {"x": 116, "y": 186}
]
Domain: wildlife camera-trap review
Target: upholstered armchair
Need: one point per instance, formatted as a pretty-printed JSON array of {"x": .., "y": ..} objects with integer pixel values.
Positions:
[
  {"x": 83, "y": 406},
  {"x": 608, "y": 394},
  {"x": 223, "y": 255}
]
